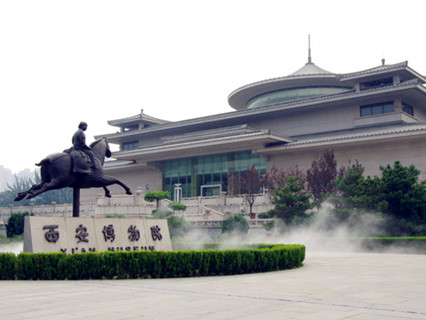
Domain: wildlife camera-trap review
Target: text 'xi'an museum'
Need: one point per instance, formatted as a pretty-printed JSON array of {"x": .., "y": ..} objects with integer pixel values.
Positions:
[{"x": 376, "y": 116}]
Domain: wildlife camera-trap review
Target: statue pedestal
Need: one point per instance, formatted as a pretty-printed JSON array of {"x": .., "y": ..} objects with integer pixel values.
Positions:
[{"x": 73, "y": 235}]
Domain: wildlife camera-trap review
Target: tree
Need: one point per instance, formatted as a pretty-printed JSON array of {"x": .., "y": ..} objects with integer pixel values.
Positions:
[
  {"x": 405, "y": 197},
  {"x": 277, "y": 177},
  {"x": 321, "y": 174},
  {"x": 21, "y": 184},
  {"x": 156, "y": 196},
  {"x": 291, "y": 202},
  {"x": 358, "y": 192},
  {"x": 397, "y": 194},
  {"x": 177, "y": 206},
  {"x": 235, "y": 224},
  {"x": 249, "y": 184},
  {"x": 15, "y": 224}
]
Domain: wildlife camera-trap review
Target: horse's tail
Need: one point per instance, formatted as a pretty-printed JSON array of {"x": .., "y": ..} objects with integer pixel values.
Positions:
[
  {"x": 44, "y": 162},
  {"x": 47, "y": 163}
]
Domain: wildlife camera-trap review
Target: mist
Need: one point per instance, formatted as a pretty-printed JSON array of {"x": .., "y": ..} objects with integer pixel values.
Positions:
[
  {"x": 13, "y": 247},
  {"x": 324, "y": 234}
]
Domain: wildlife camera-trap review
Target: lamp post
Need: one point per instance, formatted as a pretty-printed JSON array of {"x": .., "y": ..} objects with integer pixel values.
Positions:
[{"x": 178, "y": 192}]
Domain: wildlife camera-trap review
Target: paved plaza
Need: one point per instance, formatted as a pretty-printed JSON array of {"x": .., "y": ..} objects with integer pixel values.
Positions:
[{"x": 329, "y": 286}]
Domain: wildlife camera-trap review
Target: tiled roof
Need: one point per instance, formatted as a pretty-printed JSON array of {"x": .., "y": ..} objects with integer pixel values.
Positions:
[
  {"x": 224, "y": 139},
  {"x": 309, "y": 69},
  {"x": 273, "y": 108},
  {"x": 216, "y": 133},
  {"x": 365, "y": 133},
  {"x": 389, "y": 67}
]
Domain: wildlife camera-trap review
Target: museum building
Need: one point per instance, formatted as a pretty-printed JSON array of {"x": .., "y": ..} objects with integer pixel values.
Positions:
[{"x": 375, "y": 116}]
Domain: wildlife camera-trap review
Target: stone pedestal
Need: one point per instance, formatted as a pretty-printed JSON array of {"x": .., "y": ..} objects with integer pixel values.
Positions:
[{"x": 72, "y": 235}]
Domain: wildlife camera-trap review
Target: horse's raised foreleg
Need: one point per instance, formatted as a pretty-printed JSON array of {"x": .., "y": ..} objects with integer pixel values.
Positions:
[
  {"x": 43, "y": 187},
  {"x": 24, "y": 194},
  {"x": 108, "y": 180}
]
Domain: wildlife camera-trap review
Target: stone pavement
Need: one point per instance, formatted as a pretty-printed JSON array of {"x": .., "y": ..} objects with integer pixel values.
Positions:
[{"x": 329, "y": 286}]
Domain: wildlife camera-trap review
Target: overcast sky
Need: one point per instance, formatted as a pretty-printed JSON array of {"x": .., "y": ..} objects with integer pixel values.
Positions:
[{"x": 62, "y": 62}]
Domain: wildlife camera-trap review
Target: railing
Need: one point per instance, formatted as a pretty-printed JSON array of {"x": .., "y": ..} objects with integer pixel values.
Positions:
[{"x": 200, "y": 208}]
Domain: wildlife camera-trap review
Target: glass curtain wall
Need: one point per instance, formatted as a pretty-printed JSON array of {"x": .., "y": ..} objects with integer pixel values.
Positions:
[{"x": 207, "y": 175}]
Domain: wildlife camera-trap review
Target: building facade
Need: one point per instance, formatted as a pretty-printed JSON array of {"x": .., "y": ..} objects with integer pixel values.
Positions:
[{"x": 375, "y": 116}]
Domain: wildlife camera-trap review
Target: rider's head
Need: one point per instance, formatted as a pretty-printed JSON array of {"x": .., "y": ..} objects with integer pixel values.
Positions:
[{"x": 82, "y": 125}]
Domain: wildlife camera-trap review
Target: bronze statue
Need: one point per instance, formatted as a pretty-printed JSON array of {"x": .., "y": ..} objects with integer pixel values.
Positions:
[
  {"x": 79, "y": 143},
  {"x": 57, "y": 171}
]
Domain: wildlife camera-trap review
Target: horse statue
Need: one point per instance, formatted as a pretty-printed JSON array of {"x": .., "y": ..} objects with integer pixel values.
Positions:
[{"x": 57, "y": 173}]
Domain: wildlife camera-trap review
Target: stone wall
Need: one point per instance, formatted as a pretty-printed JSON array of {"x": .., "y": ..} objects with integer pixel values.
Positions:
[{"x": 209, "y": 208}]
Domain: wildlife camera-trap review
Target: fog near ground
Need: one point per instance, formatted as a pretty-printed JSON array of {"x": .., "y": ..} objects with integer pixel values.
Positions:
[
  {"x": 321, "y": 236},
  {"x": 14, "y": 247}
]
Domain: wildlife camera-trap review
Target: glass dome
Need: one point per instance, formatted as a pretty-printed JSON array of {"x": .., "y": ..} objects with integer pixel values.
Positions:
[{"x": 293, "y": 94}]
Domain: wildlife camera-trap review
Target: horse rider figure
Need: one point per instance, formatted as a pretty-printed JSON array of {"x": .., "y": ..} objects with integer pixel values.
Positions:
[{"x": 79, "y": 143}]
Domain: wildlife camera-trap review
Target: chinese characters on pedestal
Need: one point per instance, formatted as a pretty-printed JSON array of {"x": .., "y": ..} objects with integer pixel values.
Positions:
[{"x": 83, "y": 236}]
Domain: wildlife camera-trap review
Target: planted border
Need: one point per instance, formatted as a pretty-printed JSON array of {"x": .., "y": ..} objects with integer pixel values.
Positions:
[{"x": 149, "y": 264}]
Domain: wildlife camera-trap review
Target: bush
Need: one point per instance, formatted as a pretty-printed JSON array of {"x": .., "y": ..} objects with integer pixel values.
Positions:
[
  {"x": 149, "y": 264},
  {"x": 116, "y": 215},
  {"x": 177, "y": 226},
  {"x": 7, "y": 266},
  {"x": 15, "y": 224},
  {"x": 161, "y": 214},
  {"x": 269, "y": 225},
  {"x": 235, "y": 224},
  {"x": 177, "y": 206}
]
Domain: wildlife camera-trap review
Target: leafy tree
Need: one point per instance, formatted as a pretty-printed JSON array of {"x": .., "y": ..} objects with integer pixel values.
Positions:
[
  {"x": 277, "y": 177},
  {"x": 405, "y": 197},
  {"x": 321, "y": 174},
  {"x": 249, "y": 184},
  {"x": 397, "y": 194},
  {"x": 15, "y": 224},
  {"x": 156, "y": 196},
  {"x": 360, "y": 192},
  {"x": 291, "y": 202},
  {"x": 21, "y": 184},
  {"x": 235, "y": 224},
  {"x": 177, "y": 206}
]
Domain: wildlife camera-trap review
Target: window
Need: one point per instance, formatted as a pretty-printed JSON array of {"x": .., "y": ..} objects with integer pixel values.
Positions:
[
  {"x": 376, "y": 109},
  {"x": 131, "y": 128},
  {"x": 129, "y": 145},
  {"x": 198, "y": 173},
  {"x": 407, "y": 109},
  {"x": 294, "y": 94},
  {"x": 376, "y": 83}
]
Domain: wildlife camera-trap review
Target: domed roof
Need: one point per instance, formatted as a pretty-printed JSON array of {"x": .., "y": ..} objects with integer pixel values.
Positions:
[{"x": 309, "y": 75}]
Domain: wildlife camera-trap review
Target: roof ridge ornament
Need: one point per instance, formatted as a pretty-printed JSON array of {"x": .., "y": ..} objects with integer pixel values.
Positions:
[{"x": 309, "y": 49}]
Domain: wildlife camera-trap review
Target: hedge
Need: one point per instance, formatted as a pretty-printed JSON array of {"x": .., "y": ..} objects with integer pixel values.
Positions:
[
  {"x": 417, "y": 244},
  {"x": 149, "y": 264}
]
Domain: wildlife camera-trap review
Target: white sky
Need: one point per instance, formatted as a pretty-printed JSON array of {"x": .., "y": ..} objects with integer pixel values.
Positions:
[{"x": 62, "y": 62}]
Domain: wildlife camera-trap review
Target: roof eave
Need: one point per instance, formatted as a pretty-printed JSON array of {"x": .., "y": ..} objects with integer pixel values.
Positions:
[{"x": 194, "y": 148}]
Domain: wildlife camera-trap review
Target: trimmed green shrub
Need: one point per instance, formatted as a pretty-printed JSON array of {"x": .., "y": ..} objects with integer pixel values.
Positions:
[
  {"x": 156, "y": 196},
  {"x": 7, "y": 266},
  {"x": 177, "y": 206},
  {"x": 235, "y": 224},
  {"x": 149, "y": 264}
]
